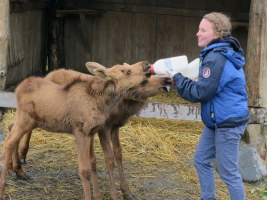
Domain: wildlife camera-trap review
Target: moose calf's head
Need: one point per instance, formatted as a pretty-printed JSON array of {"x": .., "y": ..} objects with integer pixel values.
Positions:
[
  {"x": 151, "y": 87},
  {"x": 123, "y": 76}
]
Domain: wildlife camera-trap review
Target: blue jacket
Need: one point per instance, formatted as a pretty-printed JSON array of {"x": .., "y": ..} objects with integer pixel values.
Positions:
[{"x": 221, "y": 85}]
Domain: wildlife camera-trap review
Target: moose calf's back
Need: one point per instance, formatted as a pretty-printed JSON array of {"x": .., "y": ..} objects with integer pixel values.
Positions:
[{"x": 44, "y": 102}]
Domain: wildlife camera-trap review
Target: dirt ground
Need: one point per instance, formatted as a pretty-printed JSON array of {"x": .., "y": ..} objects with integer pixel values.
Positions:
[{"x": 158, "y": 162}]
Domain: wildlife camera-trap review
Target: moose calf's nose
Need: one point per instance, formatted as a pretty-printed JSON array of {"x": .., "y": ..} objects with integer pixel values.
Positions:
[{"x": 148, "y": 74}]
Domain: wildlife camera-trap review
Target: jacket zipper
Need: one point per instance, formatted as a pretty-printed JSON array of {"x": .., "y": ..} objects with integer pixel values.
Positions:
[{"x": 212, "y": 114}]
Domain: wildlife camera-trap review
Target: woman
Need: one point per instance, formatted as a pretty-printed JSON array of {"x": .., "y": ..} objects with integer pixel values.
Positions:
[{"x": 221, "y": 89}]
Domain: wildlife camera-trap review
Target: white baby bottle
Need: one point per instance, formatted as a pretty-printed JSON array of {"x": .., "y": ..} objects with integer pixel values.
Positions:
[
  {"x": 176, "y": 64},
  {"x": 193, "y": 69}
]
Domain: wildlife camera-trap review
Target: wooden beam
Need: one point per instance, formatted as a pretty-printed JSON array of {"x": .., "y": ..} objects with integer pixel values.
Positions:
[
  {"x": 60, "y": 13},
  {"x": 239, "y": 24},
  {"x": 19, "y": 6},
  {"x": 256, "y": 67},
  {"x": 128, "y": 7},
  {"x": 85, "y": 33},
  {"x": 4, "y": 38}
]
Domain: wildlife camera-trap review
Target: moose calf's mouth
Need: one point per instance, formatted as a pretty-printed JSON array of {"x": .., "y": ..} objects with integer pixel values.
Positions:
[{"x": 167, "y": 88}]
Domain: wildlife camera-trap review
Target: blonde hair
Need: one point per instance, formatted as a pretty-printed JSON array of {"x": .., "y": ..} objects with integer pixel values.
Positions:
[{"x": 221, "y": 23}]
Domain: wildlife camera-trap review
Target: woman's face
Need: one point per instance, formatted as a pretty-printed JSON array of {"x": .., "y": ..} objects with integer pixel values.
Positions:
[{"x": 205, "y": 33}]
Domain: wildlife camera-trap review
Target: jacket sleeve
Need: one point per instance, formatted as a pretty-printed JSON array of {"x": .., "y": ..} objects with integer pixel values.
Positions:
[{"x": 208, "y": 80}]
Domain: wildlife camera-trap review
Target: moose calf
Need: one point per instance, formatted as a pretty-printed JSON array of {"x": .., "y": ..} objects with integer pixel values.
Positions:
[{"x": 80, "y": 107}]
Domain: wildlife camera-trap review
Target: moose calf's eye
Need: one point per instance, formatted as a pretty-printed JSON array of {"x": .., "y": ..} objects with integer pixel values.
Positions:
[{"x": 129, "y": 72}]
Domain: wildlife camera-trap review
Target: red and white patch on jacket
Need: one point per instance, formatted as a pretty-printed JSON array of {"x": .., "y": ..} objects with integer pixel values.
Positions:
[{"x": 206, "y": 72}]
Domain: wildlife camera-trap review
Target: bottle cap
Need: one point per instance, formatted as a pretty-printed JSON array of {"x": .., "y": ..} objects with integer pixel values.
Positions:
[{"x": 152, "y": 69}]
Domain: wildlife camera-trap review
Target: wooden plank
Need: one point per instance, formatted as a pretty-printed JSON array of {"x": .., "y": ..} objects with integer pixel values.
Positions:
[
  {"x": 16, "y": 50},
  {"x": 77, "y": 50},
  {"x": 27, "y": 47},
  {"x": 157, "y": 110},
  {"x": 143, "y": 37},
  {"x": 7, "y": 100},
  {"x": 85, "y": 33},
  {"x": 241, "y": 33},
  {"x": 170, "y": 111},
  {"x": 172, "y": 36},
  {"x": 56, "y": 42},
  {"x": 84, "y": 47},
  {"x": 99, "y": 39},
  {"x": 36, "y": 56},
  {"x": 70, "y": 36},
  {"x": 119, "y": 38},
  {"x": 192, "y": 47}
]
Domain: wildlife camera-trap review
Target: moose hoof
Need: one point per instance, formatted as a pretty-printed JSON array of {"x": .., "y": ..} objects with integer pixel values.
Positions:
[
  {"x": 23, "y": 177},
  {"x": 128, "y": 197},
  {"x": 23, "y": 161}
]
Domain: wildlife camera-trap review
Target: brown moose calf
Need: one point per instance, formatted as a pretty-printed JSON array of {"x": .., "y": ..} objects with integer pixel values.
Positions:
[
  {"x": 109, "y": 133},
  {"x": 130, "y": 105},
  {"x": 81, "y": 107}
]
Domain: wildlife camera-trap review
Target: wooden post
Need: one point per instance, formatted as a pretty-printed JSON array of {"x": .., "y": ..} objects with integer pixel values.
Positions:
[
  {"x": 256, "y": 67},
  {"x": 256, "y": 74},
  {"x": 4, "y": 38},
  {"x": 56, "y": 32}
]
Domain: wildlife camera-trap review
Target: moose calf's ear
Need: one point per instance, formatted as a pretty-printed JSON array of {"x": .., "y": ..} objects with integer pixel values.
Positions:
[
  {"x": 102, "y": 74},
  {"x": 91, "y": 66}
]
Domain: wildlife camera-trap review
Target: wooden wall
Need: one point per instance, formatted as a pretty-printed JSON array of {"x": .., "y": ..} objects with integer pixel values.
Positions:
[
  {"x": 127, "y": 31},
  {"x": 27, "y": 46},
  {"x": 131, "y": 31},
  {"x": 119, "y": 37}
]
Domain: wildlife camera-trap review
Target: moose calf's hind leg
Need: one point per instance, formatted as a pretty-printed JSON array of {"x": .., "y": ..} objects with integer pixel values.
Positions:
[
  {"x": 17, "y": 165},
  {"x": 24, "y": 147},
  {"x": 11, "y": 143}
]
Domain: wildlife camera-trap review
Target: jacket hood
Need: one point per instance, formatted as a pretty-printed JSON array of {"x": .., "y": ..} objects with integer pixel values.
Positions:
[
  {"x": 234, "y": 43},
  {"x": 229, "y": 47}
]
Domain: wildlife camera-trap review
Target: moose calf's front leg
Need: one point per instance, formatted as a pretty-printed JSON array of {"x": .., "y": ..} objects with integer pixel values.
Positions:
[
  {"x": 104, "y": 136},
  {"x": 83, "y": 143},
  {"x": 94, "y": 177},
  {"x": 118, "y": 155}
]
